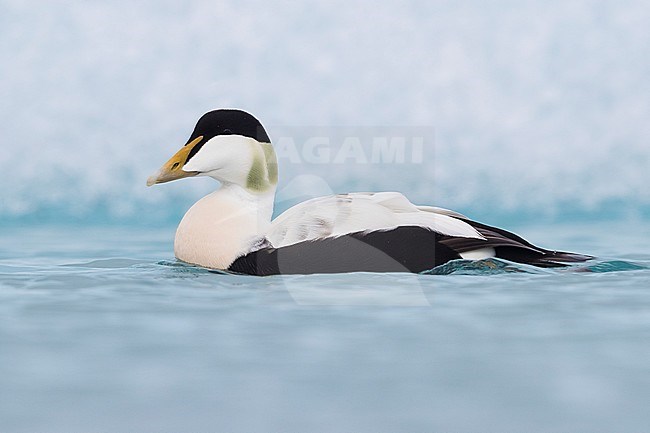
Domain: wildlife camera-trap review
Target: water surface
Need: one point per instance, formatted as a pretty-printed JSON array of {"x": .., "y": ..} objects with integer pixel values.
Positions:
[{"x": 102, "y": 331}]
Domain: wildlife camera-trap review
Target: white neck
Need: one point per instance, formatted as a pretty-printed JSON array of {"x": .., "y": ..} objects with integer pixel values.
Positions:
[{"x": 223, "y": 225}]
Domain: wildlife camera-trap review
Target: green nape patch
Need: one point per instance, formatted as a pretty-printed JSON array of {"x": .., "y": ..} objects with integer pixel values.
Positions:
[
  {"x": 271, "y": 162},
  {"x": 264, "y": 170}
]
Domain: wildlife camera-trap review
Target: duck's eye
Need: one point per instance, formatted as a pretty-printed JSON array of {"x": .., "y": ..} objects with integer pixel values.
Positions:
[
  {"x": 227, "y": 131},
  {"x": 175, "y": 166}
]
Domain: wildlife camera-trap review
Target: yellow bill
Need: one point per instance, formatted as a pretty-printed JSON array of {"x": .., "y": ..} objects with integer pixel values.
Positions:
[{"x": 173, "y": 169}]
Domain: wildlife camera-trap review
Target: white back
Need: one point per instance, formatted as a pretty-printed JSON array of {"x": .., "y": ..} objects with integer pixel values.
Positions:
[{"x": 342, "y": 214}]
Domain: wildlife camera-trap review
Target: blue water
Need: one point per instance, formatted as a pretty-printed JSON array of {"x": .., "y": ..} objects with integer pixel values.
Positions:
[
  {"x": 531, "y": 110},
  {"x": 101, "y": 330}
]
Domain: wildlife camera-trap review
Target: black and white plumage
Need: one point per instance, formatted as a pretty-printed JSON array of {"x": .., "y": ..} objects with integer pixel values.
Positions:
[{"x": 231, "y": 229}]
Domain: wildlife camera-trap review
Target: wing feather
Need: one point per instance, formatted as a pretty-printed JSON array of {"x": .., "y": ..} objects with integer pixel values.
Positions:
[{"x": 342, "y": 214}]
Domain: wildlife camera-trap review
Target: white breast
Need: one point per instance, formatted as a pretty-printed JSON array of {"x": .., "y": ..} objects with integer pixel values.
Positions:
[{"x": 221, "y": 227}]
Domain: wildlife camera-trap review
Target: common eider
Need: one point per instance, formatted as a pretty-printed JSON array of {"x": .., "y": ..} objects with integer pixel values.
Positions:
[{"x": 231, "y": 229}]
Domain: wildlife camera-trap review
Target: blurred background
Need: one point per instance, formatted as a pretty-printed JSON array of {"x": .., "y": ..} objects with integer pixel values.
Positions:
[
  {"x": 530, "y": 114},
  {"x": 539, "y": 109}
]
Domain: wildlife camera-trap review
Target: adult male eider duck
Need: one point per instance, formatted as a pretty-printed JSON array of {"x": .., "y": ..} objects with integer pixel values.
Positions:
[{"x": 231, "y": 229}]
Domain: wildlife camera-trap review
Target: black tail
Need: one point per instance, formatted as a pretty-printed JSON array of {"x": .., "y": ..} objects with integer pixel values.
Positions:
[{"x": 509, "y": 246}]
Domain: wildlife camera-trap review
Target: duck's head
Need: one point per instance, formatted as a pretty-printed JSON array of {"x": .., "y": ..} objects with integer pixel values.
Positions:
[{"x": 230, "y": 146}]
